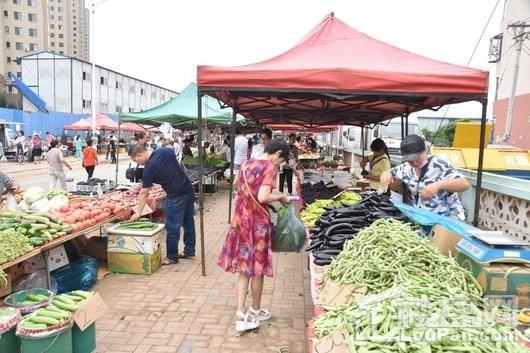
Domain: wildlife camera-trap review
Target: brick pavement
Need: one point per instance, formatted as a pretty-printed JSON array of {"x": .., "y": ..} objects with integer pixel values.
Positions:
[{"x": 179, "y": 311}]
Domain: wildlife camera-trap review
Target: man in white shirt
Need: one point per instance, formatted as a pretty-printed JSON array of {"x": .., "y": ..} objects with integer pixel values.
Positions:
[{"x": 240, "y": 149}]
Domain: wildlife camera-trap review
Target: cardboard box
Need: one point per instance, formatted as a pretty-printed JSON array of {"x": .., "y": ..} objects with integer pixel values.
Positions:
[
  {"x": 134, "y": 244},
  {"x": 89, "y": 312},
  {"x": 493, "y": 280},
  {"x": 444, "y": 240},
  {"x": 134, "y": 263},
  {"x": 96, "y": 247}
]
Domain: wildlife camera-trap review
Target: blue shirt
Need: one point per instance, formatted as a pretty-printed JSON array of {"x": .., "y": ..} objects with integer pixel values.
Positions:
[
  {"x": 162, "y": 168},
  {"x": 443, "y": 203}
]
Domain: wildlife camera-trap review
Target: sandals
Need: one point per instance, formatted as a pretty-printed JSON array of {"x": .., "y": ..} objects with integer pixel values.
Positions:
[
  {"x": 246, "y": 321},
  {"x": 186, "y": 256},
  {"x": 261, "y": 314},
  {"x": 166, "y": 262}
]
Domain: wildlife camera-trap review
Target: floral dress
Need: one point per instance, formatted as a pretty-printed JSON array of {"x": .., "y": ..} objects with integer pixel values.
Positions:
[{"x": 247, "y": 247}]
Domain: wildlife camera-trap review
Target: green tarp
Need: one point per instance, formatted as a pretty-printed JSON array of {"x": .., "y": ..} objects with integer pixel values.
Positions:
[{"x": 182, "y": 111}]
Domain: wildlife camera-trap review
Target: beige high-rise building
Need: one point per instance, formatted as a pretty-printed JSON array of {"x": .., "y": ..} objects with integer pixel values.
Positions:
[{"x": 28, "y": 26}]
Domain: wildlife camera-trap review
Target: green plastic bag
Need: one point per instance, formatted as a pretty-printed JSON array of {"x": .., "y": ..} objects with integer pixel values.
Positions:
[{"x": 290, "y": 234}]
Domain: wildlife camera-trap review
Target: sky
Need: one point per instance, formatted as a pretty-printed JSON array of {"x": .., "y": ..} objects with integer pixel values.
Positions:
[{"x": 163, "y": 41}]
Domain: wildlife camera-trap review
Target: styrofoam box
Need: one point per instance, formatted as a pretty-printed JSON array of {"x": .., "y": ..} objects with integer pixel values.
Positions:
[
  {"x": 134, "y": 244},
  {"x": 57, "y": 258}
]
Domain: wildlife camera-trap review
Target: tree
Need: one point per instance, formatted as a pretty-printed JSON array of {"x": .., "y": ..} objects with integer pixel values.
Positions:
[
  {"x": 444, "y": 136},
  {"x": 7, "y": 102}
]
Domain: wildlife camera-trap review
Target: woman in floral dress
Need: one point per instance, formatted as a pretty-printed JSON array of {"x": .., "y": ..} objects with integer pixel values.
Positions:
[{"x": 247, "y": 248}]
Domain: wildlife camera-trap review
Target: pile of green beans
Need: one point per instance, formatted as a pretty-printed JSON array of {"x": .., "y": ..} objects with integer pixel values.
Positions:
[
  {"x": 13, "y": 245},
  {"x": 440, "y": 326},
  {"x": 390, "y": 253}
]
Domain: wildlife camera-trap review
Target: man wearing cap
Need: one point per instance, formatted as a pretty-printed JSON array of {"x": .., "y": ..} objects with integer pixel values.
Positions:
[{"x": 434, "y": 183}]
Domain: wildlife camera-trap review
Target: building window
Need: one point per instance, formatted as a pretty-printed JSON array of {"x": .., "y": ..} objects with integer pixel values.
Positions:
[
  {"x": 16, "y": 2},
  {"x": 141, "y": 91},
  {"x": 52, "y": 35},
  {"x": 75, "y": 23},
  {"x": 51, "y": 8},
  {"x": 61, "y": 35},
  {"x": 86, "y": 103},
  {"x": 6, "y": 14},
  {"x": 75, "y": 34},
  {"x": 118, "y": 109},
  {"x": 8, "y": 59},
  {"x": 32, "y": 2},
  {"x": 118, "y": 85},
  {"x": 60, "y": 9},
  {"x": 52, "y": 44},
  {"x": 103, "y": 81},
  {"x": 75, "y": 52},
  {"x": 8, "y": 45},
  {"x": 75, "y": 29},
  {"x": 6, "y": 29},
  {"x": 131, "y": 89},
  {"x": 32, "y": 17},
  {"x": 33, "y": 47},
  {"x": 61, "y": 45},
  {"x": 86, "y": 76},
  {"x": 60, "y": 27},
  {"x": 18, "y": 31},
  {"x": 32, "y": 32},
  {"x": 104, "y": 107},
  {"x": 19, "y": 46},
  {"x": 60, "y": 18},
  {"x": 52, "y": 17},
  {"x": 52, "y": 26},
  {"x": 17, "y": 15}
]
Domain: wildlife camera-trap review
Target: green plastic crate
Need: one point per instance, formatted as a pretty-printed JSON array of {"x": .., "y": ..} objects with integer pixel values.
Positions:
[
  {"x": 60, "y": 342},
  {"x": 84, "y": 341},
  {"x": 9, "y": 342}
]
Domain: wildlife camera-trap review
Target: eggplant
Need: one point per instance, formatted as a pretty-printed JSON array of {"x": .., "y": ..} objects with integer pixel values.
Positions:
[
  {"x": 315, "y": 230},
  {"x": 348, "y": 220},
  {"x": 314, "y": 245},
  {"x": 350, "y": 211},
  {"x": 319, "y": 262},
  {"x": 330, "y": 230},
  {"x": 330, "y": 251},
  {"x": 337, "y": 244}
]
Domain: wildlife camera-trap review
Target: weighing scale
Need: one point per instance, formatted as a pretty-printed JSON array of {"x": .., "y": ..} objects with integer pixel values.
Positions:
[{"x": 493, "y": 246}]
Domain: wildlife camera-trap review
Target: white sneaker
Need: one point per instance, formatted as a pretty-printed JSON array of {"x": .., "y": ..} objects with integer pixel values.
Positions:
[
  {"x": 261, "y": 314},
  {"x": 246, "y": 322}
]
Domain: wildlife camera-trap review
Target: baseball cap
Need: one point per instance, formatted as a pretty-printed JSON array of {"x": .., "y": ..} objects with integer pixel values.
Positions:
[{"x": 411, "y": 147}]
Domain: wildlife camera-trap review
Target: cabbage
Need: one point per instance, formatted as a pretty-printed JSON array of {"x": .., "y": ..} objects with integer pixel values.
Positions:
[
  {"x": 57, "y": 201},
  {"x": 42, "y": 205},
  {"x": 33, "y": 194}
]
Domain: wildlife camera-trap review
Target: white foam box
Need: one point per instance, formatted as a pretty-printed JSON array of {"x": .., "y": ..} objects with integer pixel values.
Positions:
[
  {"x": 134, "y": 244},
  {"x": 57, "y": 258}
]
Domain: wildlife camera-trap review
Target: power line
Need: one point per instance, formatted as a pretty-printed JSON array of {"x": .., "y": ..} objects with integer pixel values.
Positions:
[{"x": 468, "y": 62}]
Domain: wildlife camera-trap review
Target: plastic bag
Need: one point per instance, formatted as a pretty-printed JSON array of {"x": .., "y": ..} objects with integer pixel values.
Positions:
[
  {"x": 290, "y": 235},
  {"x": 80, "y": 274},
  {"x": 35, "y": 279}
]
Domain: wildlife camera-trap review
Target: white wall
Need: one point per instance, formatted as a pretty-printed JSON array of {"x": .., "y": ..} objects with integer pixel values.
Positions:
[{"x": 515, "y": 10}]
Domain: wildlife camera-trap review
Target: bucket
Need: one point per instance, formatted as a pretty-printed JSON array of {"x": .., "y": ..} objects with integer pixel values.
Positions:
[
  {"x": 84, "y": 341},
  {"x": 9, "y": 342},
  {"x": 57, "y": 342}
]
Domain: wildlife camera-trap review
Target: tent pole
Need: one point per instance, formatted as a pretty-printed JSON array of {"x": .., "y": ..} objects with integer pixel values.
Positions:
[
  {"x": 402, "y": 129},
  {"x": 480, "y": 161},
  {"x": 362, "y": 141},
  {"x": 117, "y": 153},
  {"x": 201, "y": 176},
  {"x": 232, "y": 155},
  {"x": 406, "y": 125}
]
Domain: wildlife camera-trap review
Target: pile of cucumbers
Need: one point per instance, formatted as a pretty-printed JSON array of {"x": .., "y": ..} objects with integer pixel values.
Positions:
[
  {"x": 142, "y": 224},
  {"x": 63, "y": 305},
  {"x": 33, "y": 299},
  {"x": 339, "y": 224},
  {"x": 39, "y": 228}
]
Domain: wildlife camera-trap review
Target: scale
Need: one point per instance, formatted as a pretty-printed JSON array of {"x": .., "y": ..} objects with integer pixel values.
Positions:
[{"x": 493, "y": 246}]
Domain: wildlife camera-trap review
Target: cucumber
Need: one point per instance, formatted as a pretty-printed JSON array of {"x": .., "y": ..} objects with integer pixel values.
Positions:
[
  {"x": 31, "y": 325},
  {"x": 47, "y": 235},
  {"x": 44, "y": 320},
  {"x": 63, "y": 298},
  {"x": 54, "y": 315},
  {"x": 38, "y": 226},
  {"x": 57, "y": 310},
  {"x": 64, "y": 306},
  {"x": 36, "y": 241},
  {"x": 55, "y": 226},
  {"x": 81, "y": 293},
  {"x": 51, "y": 230},
  {"x": 34, "y": 298},
  {"x": 37, "y": 219}
]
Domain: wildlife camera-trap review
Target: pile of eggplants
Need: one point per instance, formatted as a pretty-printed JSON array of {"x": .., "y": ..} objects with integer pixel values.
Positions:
[{"x": 339, "y": 224}]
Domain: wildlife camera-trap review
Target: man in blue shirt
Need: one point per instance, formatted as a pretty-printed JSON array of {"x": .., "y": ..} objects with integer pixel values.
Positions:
[
  {"x": 434, "y": 183},
  {"x": 161, "y": 167}
]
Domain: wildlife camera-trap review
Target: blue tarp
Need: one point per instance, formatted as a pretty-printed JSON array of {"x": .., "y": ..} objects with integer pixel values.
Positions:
[{"x": 29, "y": 94}]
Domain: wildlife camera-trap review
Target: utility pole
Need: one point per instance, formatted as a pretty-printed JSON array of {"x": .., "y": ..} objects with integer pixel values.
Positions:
[{"x": 520, "y": 34}]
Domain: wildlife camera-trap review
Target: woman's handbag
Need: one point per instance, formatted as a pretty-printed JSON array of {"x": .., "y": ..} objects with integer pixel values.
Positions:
[{"x": 130, "y": 173}]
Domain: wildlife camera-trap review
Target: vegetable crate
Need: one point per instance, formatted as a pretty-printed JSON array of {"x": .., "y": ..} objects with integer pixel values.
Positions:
[
  {"x": 146, "y": 245},
  {"x": 134, "y": 263}
]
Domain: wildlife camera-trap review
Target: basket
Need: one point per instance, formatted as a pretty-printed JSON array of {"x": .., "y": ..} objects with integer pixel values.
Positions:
[{"x": 15, "y": 300}]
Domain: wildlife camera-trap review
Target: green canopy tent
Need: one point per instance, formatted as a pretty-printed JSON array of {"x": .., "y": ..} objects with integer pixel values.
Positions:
[{"x": 182, "y": 112}]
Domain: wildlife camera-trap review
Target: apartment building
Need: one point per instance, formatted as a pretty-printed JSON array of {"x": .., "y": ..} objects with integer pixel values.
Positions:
[
  {"x": 28, "y": 26},
  {"x": 64, "y": 84}
]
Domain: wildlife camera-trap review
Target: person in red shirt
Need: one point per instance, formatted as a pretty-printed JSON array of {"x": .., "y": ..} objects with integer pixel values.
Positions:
[{"x": 90, "y": 159}]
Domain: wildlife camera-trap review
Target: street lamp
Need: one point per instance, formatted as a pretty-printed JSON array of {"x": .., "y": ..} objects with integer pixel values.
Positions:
[{"x": 93, "y": 6}]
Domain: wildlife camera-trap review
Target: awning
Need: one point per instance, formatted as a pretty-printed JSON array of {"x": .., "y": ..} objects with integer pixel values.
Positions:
[{"x": 103, "y": 122}]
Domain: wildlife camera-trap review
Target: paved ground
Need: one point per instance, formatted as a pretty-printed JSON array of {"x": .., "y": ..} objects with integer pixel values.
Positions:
[{"x": 177, "y": 309}]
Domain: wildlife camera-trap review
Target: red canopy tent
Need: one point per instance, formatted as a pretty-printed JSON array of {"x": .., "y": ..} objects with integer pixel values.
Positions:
[
  {"x": 132, "y": 127},
  {"x": 103, "y": 122},
  {"x": 295, "y": 128},
  {"x": 337, "y": 74}
]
